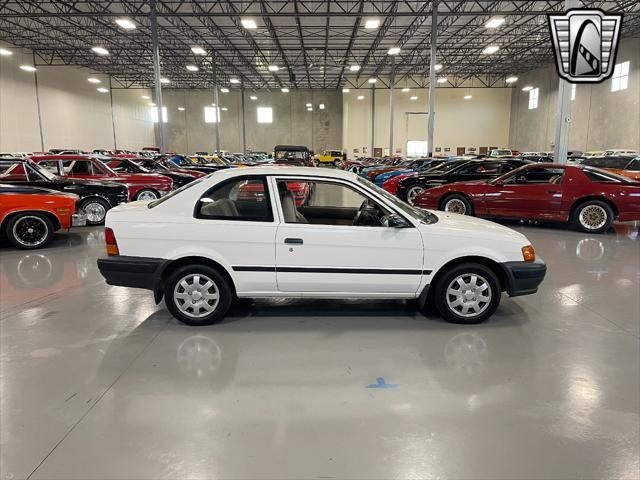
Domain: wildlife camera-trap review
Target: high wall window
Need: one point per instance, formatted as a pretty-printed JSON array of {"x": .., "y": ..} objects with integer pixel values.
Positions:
[
  {"x": 573, "y": 91},
  {"x": 533, "y": 98},
  {"x": 265, "y": 115},
  {"x": 620, "y": 78},
  {"x": 154, "y": 114},
  {"x": 211, "y": 114},
  {"x": 417, "y": 148}
]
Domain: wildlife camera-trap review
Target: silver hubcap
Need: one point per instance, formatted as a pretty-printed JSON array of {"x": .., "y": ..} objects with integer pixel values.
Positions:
[
  {"x": 95, "y": 212},
  {"x": 147, "y": 195},
  {"x": 455, "y": 205},
  {"x": 30, "y": 231},
  {"x": 469, "y": 295},
  {"x": 413, "y": 193},
  {"x": 196, "y": 295},
  {"x": 593, "y": 217}
]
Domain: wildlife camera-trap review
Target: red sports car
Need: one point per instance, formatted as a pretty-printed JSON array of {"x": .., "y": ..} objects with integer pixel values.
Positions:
[
  {"x": 142, "y": 186},
  {"x": 391, "y": 185},
  {"x": 589, "y": 197}
]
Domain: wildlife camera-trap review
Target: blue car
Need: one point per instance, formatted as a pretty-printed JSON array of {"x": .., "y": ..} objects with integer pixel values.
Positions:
[{"x": 417, "y": 166}]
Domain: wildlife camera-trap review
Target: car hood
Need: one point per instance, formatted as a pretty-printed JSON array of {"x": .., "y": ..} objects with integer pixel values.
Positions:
[
  {"x": 454, "y": 225},
  {"x": 141, "y": 178}
]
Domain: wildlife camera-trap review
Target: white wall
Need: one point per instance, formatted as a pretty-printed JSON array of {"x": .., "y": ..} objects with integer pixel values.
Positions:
[{"x": 480, "y": 121}]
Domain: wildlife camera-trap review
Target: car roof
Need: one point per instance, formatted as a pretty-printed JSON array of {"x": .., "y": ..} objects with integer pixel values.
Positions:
[{"x": 287, "y": 170}]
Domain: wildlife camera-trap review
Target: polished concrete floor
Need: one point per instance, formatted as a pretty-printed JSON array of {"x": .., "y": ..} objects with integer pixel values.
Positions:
[{"x": 97, "y": 382}]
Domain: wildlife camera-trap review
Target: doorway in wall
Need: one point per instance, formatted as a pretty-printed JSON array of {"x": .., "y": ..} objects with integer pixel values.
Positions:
[
  {"x": 460, "y": 151},
  {"x": 416, "y": 134}
]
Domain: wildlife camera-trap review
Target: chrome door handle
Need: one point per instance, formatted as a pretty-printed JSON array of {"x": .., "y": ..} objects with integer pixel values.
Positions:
[{"x": 293, "y": 241}]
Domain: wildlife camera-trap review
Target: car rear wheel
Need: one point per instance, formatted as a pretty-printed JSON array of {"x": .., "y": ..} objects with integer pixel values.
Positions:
[
  {"x": 593, "y": 216},
  {"x": 147, "y": 194},
  {"x": 457, "y": 204},
  {"x": 198, "y": 295},
  {"x": 28, "y": 231},
  {"x": 412, "y": 193},
  {"x": 95, "y": 209},
  {"x": 468, "y": 293}
]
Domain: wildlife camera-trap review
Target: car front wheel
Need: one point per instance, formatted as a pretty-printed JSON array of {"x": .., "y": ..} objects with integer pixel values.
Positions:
[
  {"x": 198, "y": 295},
  {"x": 457, "y": 204},
  {"x": 412, "y": 193},
  {"x": 593, "y": 216},
  {"x": 468, "y": 293},
  {"x": 147, "y": 194}
]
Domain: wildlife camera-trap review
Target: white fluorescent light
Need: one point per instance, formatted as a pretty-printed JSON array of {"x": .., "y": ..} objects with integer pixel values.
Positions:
[
  {"x": 308, "y": 105},
  {"x": 511, "y": 79},
  {"x": 93, "y": 80},
  {"x": 28, "y": 68},
  {"x": 494, "y": 22},
  {"x": 146, "y": 97},
  {"x": 372, "y": 80},
  {"x": 5, "y": 53},
  {"x": 253, "y": 97},
  {"x": 181, "y": 109},
  {"x": 165, "y": 80},
  {"x": 151, "y": 104},
  {"x": 224, "y": 109},
  {"x": 224, "y": 90},
  {"x": 491, "y": 49},
  {"x": 468, "y": 97},
  {"x": 393, "y": 51},
  {"x": 413, "y": 98},
  {"x": 284, "y": 90},
  {"x": 213, "y": 104},
  {"x": 354, "y": 68},
  {"x": 103, "y": 90},
  {"x": 310, "y": 109},
  {"x": 372, "y": 23},
  {"x": 527, "y": 88},
  {"x": 249, "y": 23},
  {"x": 126, "y": 23},
  {"x": 442, "y": 80},
  {"x": 321, "y": 106},
  {"x": 273, "y": 68},
  {"x": 360, "y": 97},
  {"x": 100, "y": 51},
  {"x": 192, "y": 68},
  {"x": 234, "y": 80},
  {"x": 438, "y": 67},
  {"x": 198, "y": 50},
  {"x": 406, "y": 89},
  {"x": 345, "y": 90}
]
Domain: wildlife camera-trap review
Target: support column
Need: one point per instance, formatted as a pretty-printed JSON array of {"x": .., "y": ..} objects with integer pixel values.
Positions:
[
  {"x": 215, "y": 100},
  {"x": 432, "y": 78},
  {"x": 113, "y": 120},
  {"x": 561, "y": 144},
  {"x": 391, "y": 111},
  {"x": 373, "y": 117},
  {"x": 244, "y": 123},
  {"x": 156, "y": 74},
  {"x": 35, "y": 79}
]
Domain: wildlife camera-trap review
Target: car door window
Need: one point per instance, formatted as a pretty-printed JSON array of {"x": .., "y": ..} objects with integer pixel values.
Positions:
[
  {"x": 244, "y": 199},
  {"x": 77, "y": 167},
  {"x": 634, "y": 166},
  {"x": 13, "y": 172},
  {"x": 534, "y": 176},
  {"x": 328, "y": 203},
  {"x": 50, "y": 165}
]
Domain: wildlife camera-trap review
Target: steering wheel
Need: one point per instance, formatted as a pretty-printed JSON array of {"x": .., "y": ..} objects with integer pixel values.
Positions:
[{"x": 361, "y": 210}]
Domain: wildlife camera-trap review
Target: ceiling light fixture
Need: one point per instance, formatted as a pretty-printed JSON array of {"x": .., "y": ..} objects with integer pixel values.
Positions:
[
  {"x": 146, "y": 97},
  {"x": 198, "y": 50},
  {"x": 192, "y": 68},
  {"x": 321, "y": 106},
  {"x": 224, "y": 90},
  {"x": 93, "y": 80},
  {"x": 491, "y": 49},
  {"x": 354, "y": 68},
  {"x": 249, "y": 23},
  {"x": 224, "y": 109},
  {"x": 360, "y": 97},
  {"x": 372, "y": 80},
  {"x": 284, "y": 90},
  {"x": 234, "y": 80},
  {"x": 494, "y": 22},
  {"x": 308, "y": 105},
  {"x": 182, "y": 109},
  {"x": 5, "y": 53},
  {"x": 165, "y": 80},
  {"x": 28, "y": 68},
  {"x": 511, "y": 79},
  {"x": 309, "y": 109},
  {"x": 273, "y": 68},
  {"x": 372, "y": 23},
  {"x": 126, "y": 23},
  {"x": 442, "y": 80},
  {"x": 527, "y": 88},
  {"x": 100, "y": 50},
  {"x": 406, "y": 89},
  {"x": 253, "y": 97},
  {"x": 345, "y": 90},
  {"x": 103, "y": 90},
  {"x": 393, "y": 51},
  {"x": 438, "y": 67},
  {"x": 413, "y": 98},
  {"x": 468, "y": 97}
]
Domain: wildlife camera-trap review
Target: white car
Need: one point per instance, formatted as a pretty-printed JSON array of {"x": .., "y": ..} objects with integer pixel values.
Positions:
[{"x": 243, "y": 233}]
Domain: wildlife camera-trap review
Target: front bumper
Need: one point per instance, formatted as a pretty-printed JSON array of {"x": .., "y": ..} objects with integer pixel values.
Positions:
[
  {"x": 134, "y": 272},
  {"x": 78, "y": 219},
  {"x": 523, "y": 278}
]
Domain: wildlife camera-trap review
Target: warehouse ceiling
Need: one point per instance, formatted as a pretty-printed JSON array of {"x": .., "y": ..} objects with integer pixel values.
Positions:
[{"x": 312, "y": 42}]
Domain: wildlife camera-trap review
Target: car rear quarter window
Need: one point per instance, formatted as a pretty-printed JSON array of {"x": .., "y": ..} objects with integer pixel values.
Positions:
[{"x": 238, "y": 199}]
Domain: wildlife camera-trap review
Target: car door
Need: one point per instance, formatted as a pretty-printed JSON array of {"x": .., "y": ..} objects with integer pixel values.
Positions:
[
  {"x": 535, "y": 192},
  {"x": 327, "y": 253}
]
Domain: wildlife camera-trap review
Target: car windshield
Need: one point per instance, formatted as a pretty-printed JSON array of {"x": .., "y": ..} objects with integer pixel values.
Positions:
[
  {"x": 619, "y": 163},
  {"x": 604, "y": 175},
  {"x": 423, "y": 215},
  {"x": 448, "y": 166},
  {"x": 175, "y": 192}
]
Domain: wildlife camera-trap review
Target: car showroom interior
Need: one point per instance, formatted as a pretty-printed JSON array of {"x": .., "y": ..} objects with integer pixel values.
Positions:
[{"x": 311, "y": 239}]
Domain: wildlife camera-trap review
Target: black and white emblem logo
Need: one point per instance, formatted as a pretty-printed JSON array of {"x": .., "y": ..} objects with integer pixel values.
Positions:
[{"x": 585, "y": 42}]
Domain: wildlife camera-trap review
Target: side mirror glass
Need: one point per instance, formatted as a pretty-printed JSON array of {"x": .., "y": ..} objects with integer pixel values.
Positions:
[{"x": 395, "y": 221}]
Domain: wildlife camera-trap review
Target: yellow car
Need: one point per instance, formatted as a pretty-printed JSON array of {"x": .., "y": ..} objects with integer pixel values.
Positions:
[{"x": 329, "y": 156}]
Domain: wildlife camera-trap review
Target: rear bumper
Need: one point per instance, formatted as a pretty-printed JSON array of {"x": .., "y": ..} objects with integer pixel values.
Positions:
[
  {"x": 134, "y": 272},
  {"x": 523, "y": 278}
]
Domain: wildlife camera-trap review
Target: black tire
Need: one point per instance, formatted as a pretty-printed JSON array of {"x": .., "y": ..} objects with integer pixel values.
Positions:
[
  {"x": 96, "y": 210},
  {"x": 180, "y": 311},
  {"x": 456, "y": 202},
  {"x": 593, "y": 216},
  {"x": 29, "y": 230},
  {"x": 147, "y": 192},
  {"x": 443, "y": 300},
  {"x": 409, "y": 195}
]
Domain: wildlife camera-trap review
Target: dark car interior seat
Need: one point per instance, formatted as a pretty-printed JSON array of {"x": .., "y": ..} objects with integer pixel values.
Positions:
[
  {"x": 220, "y": 208},
  {"x": 288, "y": 201}
]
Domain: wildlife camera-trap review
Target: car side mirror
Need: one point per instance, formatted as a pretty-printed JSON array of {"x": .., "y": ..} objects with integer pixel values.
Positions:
[{"x": 395, "y": 221}]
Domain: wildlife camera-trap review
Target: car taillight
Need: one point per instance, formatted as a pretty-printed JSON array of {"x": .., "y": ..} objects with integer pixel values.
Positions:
[
  {"x": 528, "y": 253},
  {"x": 110, "y": 240}
]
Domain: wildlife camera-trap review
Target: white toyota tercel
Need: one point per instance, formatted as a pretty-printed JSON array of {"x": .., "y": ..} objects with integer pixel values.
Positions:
[{"x": 310, "y": 232}]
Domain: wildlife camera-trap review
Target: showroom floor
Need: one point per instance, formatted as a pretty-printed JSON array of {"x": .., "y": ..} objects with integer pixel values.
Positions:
[{"x": 99, "y": 383}]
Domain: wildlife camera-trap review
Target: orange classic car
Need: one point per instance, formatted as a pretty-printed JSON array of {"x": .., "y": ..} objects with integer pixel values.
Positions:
[{"x": 29, "y": 216}]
